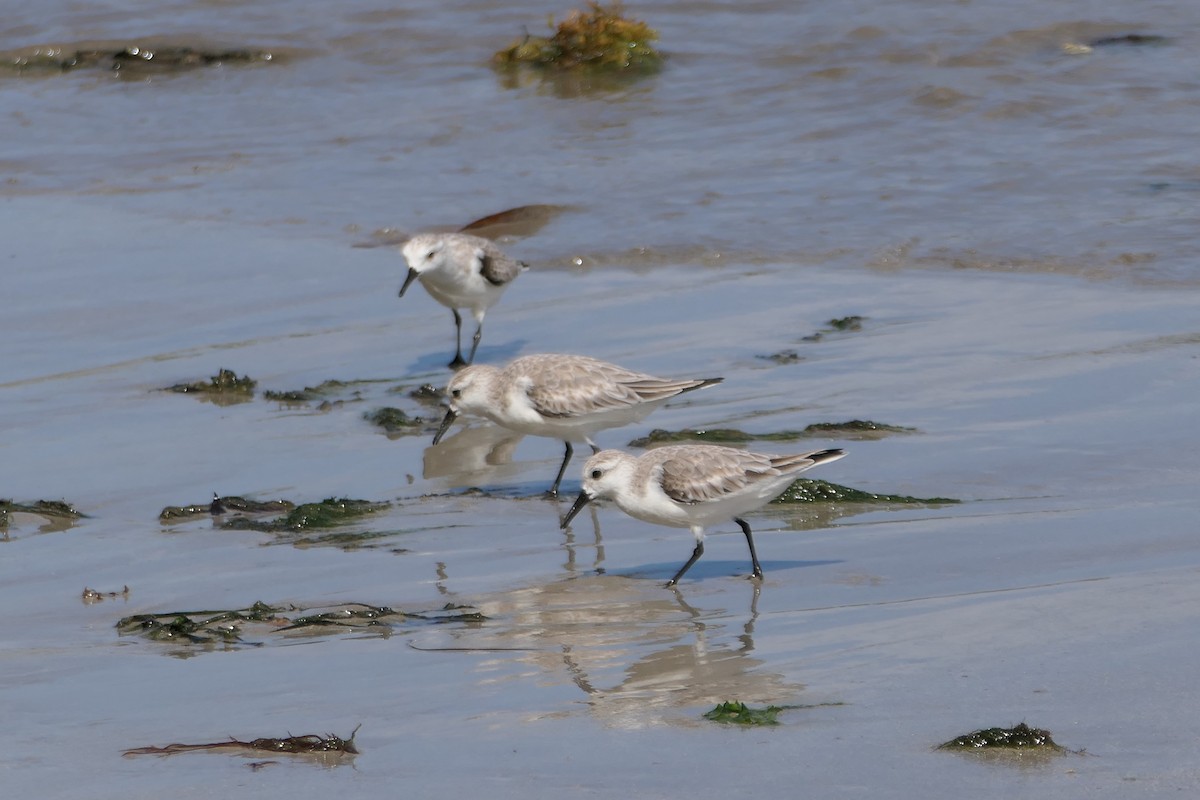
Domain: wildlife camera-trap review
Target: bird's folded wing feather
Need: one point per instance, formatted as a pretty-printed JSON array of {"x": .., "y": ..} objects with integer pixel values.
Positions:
[
  {"x": 720, "y": 473},
  {"x": 496, "y": 268},
  {"x": 586, "y": 388}
]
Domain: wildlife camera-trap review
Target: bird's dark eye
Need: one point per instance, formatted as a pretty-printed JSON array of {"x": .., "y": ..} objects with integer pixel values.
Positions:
[
  {"x": 456, "y": 392},
  {"x": 596, "y": 474},
  {"x": 429, "y": 256}
]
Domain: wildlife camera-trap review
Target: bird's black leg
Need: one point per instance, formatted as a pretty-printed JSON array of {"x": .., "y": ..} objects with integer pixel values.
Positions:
[
  {"x": 699, "y": 551},
  {"x": 750, "y": 541},
  {"x": 475, "y": 342},
  {"x": 562, "y": 469},
  {"x": 458, "y": 359}
]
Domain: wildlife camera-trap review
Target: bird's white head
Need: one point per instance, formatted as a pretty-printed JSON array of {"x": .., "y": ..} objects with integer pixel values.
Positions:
[
  {"x": 470, "y": 388},
  {"x": 605, "y": 473},
  {"x": 603, "y": 476},
  {"x": 423, "y": 252}
]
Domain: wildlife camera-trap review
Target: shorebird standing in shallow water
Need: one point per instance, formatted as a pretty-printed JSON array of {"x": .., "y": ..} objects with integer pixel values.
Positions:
[
  {"x": 460, "y": 271},
  {"x": 566, "y": 397},
  {"x": 692, "y": 486}
]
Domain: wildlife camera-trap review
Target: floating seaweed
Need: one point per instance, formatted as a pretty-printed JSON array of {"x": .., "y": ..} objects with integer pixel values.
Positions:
[
  {"x": 850, "y": 323},
  {"x": 291, "y": 523},
  {"x": 363, "y": 616},
  {"x": 813, "y": 490},
  {"x": 783, "y": 357},
  {"x": 328, "y": 513},
  {"x": 228, "y": 627},
  {"x": 393, "y": 420},
  {"x": 738, "y": 713},
  {"x": 222, "y": 505},
  {"x": 734, "y": 712},
  {"x": 58, "y": 513},
  {"x": 853, "y": 322},
  {"x": 225, "y": 387},
  {"x": 852, "y": 429},
  {"x": 144, "y": 58},
  {"x": 91, "y": 596},
  {"x": 426, "y": 393},
  {"x": 1020, "y": 737},
  {"x": 308, "y": 744},
  {"x": 601, "y": 38},
  {"x": 320, "y": 391},
  {"x": 196, "y": 627}
]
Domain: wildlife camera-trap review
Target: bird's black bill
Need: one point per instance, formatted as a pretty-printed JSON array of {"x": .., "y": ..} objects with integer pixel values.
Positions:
[
  {"x": 412, "y": 276},
  {"x": 580, "y": 502},
  {"x": 447, "y": 421}
]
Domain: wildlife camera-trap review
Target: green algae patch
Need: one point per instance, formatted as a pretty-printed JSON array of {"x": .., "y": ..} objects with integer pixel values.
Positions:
[
  {"x": 1020, "y": 737},
  {"x": 330, "y": 512},
  {"x": 225, "y": 386},
  {"x": 307, "y": 744},
  {"x": 222, "y": 505},
  {"x": 395, "y": 421},
  {"x": 711, "y": 436},
  {"x": 600, "y": 38},
  {"x": 734, "y": 712},
  {"x": 812, "y": 490},
  {"x": 853, "y": 429},
  {"x": 58, "y": 514},
  {"x": 737, "y": 713},
  {"x": 317, "y": 524},
  {"x": 305, "y": 525}
]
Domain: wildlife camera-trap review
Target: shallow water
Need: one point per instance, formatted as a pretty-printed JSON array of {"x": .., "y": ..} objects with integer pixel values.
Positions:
[{"x": 1013, "y": 222}]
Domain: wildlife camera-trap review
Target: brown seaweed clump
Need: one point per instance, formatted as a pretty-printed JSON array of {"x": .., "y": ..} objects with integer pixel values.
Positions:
[
  {"x": 143, "y": 58},
  {"x": 309, "y": 743},
  {"x": 601, "y": 37},
  {"x": 225, "y": 384}
]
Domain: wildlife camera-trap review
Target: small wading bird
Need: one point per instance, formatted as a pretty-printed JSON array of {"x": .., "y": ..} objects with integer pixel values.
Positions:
[
  {"x": 565, "y": 397},
  {"x": 460, "y": 271},
  {"x": 692, "y": 486}
]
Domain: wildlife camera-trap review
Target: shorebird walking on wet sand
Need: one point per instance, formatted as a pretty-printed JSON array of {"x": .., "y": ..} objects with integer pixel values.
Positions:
[
  {"x": 692, "y": 486},
  {"x": 460, "y": 271},
  {"x": 566, "y": 397}
]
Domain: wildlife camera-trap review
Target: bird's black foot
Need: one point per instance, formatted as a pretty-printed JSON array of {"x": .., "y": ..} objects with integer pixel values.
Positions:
[{"x": 458, "y": 362}]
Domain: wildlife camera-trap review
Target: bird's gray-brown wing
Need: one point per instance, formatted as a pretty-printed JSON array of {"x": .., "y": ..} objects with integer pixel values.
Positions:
[
  {"x": 696, "y": 474},
  {"x": 565, "y": 386},
  {"x": 495, "y": 267},
  {"x": 571, "y": 386}
]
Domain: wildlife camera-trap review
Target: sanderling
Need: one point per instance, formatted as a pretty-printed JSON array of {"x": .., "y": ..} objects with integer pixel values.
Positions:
[
  {"x": 460, "y": 271},
  {"x": 563, "y": 396},
  {"x": 692, "y": 486}
]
